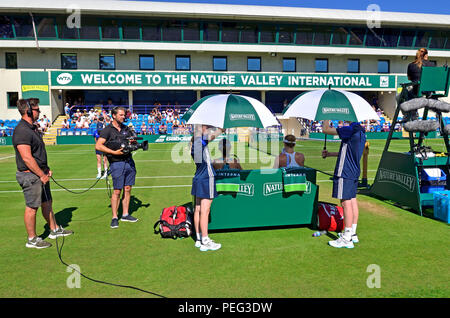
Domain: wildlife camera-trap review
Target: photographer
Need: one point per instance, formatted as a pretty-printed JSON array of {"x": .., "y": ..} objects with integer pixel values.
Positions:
[
  {"x": 121, "y": 165},
  {"x": 33, "y": 174}
]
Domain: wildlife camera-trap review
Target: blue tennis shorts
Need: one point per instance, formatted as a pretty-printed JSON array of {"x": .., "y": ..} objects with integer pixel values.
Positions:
[
  {"x": 204, "y": 188},
  {"x": 123, "y": 174},
  {"x": 344, "y": 189}
]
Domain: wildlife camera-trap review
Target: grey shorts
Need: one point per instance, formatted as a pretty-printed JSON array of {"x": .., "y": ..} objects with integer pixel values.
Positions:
[{"x": 33, "y": 190}]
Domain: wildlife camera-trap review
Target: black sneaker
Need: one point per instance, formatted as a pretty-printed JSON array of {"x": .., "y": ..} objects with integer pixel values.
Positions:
[
  {"x": 115, "y": 223},
  {"x": 128, "y": 218}
]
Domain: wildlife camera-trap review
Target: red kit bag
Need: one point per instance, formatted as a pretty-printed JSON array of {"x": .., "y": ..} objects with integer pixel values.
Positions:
[
  {"x": 330, "y": 217},
  {"x": 175, "y": 221}
]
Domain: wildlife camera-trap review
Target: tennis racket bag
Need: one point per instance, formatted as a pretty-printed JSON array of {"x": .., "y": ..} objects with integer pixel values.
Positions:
[
  {"x": 174, "y": 222},
  {"x": 330, "y": 217}
]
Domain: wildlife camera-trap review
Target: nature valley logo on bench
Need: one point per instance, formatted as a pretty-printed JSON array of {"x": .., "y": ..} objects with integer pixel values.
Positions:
[
  {"x": 332, "y": 110},
  {"x": 247, "y": 189},
  {"x": 406, "y": 181},
  {"x": 272, "y": 188},
  {"x": 242, "y": 117}
]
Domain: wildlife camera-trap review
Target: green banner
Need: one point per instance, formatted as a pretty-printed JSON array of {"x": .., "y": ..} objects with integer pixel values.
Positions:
[
  {"x": 211, "y": 79},
  {"x": 5, "y": 141},
  {"x": 35, "y": 85}
]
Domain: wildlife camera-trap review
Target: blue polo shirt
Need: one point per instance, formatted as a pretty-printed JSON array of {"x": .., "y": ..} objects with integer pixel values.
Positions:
[
  {"x": 202, "y": 159},
  {"x": 352, "y": 146}
]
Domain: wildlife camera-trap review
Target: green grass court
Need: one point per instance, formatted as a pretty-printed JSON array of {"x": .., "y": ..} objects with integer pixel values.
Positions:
[{"x": 411, "y": 251}]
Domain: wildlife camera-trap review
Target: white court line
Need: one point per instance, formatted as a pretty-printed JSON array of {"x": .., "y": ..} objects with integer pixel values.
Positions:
[
  {"x": 91, "y": 179},
  {"x": 3, "y": 158},
  {"x": 134, "y": 187}
]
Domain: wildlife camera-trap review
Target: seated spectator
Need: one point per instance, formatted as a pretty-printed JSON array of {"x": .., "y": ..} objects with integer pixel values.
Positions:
[
  {"x": 143, "y": 129},
  {"x": 79, "y": 124},
  {"x": 65, "y": 124},
  {"x": 86, "y": 124},
  {"x": 3, "y": 130},
  {"x": 42, "y": 125},
  {"x": 227, "y": 161},
  {"x": 162, "y": 129}
]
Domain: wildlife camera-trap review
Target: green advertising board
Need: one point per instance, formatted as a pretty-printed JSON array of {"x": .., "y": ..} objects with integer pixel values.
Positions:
[
  {"x": 5, "y": 141},
  {"x": 35, "y": 85},
  {"x": 262, "y": 200},
  {"x": 229, "y": 79},
  {"x": 397, "y": 180}
]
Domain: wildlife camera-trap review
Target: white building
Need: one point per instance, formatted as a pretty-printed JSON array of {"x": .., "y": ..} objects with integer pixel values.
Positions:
[{"x": 136, "y": 53}]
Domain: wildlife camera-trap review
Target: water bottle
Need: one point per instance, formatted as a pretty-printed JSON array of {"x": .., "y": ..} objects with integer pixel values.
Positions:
[{"x": 319, "y": 233}]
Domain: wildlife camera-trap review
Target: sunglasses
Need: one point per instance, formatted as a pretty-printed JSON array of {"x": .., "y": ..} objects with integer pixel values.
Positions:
[{"x": 36, "y": 109}]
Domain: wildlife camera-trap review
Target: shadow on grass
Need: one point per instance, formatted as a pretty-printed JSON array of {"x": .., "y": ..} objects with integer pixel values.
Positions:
[
  {"x": 135, "y": 204},
  {"x": 63, "y": 218}
]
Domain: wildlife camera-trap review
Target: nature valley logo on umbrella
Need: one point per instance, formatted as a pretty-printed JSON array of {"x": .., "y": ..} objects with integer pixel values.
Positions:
[
  {"x": 250, "y": 117},
  {"x": 333, "y": 110},
  {"x": 247, "y": 189}
]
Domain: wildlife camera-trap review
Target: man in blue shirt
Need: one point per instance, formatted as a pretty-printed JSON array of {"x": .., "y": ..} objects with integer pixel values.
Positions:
[{"x": 346, "y": 175}]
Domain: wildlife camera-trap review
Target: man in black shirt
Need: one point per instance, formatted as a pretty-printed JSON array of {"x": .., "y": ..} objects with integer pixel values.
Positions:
[
  {"x": 121, "y": 166},
  {"x": 33, "y": 173}
]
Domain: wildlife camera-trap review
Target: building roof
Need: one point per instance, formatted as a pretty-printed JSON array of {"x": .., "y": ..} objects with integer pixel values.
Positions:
[{"x": 229, "y": 12}]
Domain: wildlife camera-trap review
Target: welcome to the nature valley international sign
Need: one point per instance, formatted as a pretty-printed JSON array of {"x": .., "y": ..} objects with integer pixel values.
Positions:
[{"x": 209, "y": 79}]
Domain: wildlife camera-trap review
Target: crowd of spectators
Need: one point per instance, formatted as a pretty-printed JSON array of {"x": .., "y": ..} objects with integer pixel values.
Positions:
[{"x": 160, "y": 120}]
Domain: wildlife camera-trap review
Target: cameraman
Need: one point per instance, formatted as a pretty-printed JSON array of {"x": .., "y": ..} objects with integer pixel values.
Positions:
[{"x": 121, "y": 166}]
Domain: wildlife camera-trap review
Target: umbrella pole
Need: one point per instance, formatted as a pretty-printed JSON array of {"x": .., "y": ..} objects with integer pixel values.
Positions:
[{"x": 325, "y": 144}]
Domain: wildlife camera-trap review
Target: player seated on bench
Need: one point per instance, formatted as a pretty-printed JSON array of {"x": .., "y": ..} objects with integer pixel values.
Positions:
[
  {"x": 288, "y": 157},
  {"x": 226, "y": 162}
]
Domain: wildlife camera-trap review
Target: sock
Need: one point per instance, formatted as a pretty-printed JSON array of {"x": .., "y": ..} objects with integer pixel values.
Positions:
[
  {"x": 199, "y": 236},
  {"x": 205, "y": 239},
  {"x": 99, "y": 170},
  {"x": 347, "y": 234},
  {"x": 354, "y": 228}
]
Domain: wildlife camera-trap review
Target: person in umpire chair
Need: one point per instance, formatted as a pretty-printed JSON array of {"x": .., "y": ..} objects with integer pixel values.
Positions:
[
  {"x": 33, "y": 174},
  {"x": 121, "y": 166}
]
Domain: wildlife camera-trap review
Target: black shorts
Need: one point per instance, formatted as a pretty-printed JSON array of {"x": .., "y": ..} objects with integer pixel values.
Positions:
[{"x": 35, "y": 194}]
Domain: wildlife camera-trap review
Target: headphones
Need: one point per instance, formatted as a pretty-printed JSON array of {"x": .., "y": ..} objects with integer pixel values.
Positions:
[{"x": 29, "y": 110}]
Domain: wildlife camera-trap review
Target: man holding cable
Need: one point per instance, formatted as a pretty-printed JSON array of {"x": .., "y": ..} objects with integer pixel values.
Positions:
[
  {"x": 121, "y": 166},
  {"x": 33, "y": 174}
]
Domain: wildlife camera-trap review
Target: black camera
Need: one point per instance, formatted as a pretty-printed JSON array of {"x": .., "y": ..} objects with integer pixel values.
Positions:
[{"x": 128, "y": 143}]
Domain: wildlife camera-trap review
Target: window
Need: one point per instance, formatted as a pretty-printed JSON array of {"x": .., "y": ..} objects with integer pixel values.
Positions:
[
  {"x": 13, "y": 97},
  {"x": 289, "y": 64},
  {"x": 11, "y": 60},
  {"x": 64, "y": 32},
  {"x": 322, "y": 65},
  {"x": 219, "y": 63},
  {"x": 146, "y": 62},
  {"x": 191, "y": 31},
  {"x": 230, "y": 32},
  {"x": 249, "y": 34},
  {"x": 45, "y": 27},
  {"x": 304, "y": 36},
  {"x": 107, "y": 62},
  {"x": 268, "y": 34},
  {"x": 353, "y": 66},
  {"x": 151, "y": 32},
  {"x": 69, "y": 61},
  {"x": 110, "y": 30},
  {"x": 383, "y": 66},
  {"x": 390, "y": 37},
  {"x": 171, "y": 31},
  {"x": 89, "y": 28},
  {"x": 210, "y": 32},
  {"x": 357, "y": 36},
  {"x": 286, "y": 34},
  {"x": 322, "y": 36},
  {"x": 340, "y": 36},
  {"x": 254, "y": 64},
  {"x": 406, "y": 38},
  {"x": 6, "y": 31},
  {"x": 183, "y": 63},
  {"x": 23, "y": 27},
  {"x": 130, "y": 30}
]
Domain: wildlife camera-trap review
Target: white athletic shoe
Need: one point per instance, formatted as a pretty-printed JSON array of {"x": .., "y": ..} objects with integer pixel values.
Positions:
[
  {"x": 341, "y": 242},
  {"x": 210, "y": 245},
  {"x": 99, "y": 175},
  {"x": 104, "y": 175},
  {"x": 198, "y": 243},
  {"x": 355, "y": 238}
]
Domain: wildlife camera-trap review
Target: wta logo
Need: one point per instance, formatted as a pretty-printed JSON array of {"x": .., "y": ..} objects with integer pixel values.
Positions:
[{"x": 64, "y": 78}]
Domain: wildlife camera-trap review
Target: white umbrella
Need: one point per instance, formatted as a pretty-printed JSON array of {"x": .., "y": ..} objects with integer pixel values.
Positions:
[
  {"x": 330, "y": 104},
  {"x": 229, "y": 110}
]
